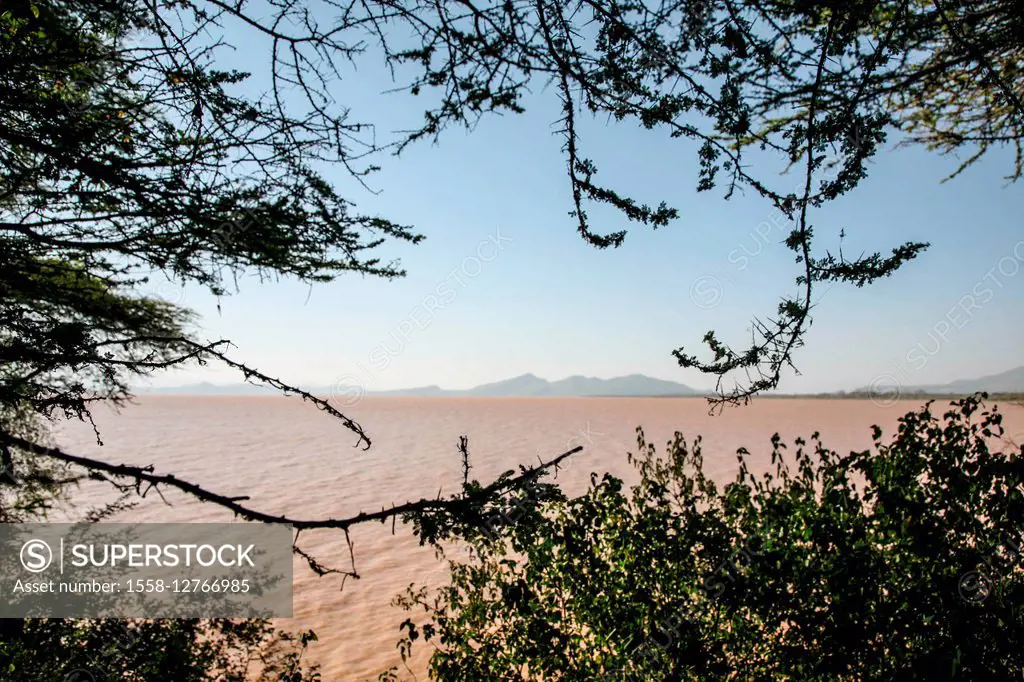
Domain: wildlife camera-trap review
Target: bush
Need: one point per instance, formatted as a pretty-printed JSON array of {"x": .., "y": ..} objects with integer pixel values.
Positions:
[
  {"x": 167, "y": 650},
  {"x": 899, "y": 562}
]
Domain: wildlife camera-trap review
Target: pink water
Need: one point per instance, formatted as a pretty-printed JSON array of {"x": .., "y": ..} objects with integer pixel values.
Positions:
[{"x": 291, "y": 458}]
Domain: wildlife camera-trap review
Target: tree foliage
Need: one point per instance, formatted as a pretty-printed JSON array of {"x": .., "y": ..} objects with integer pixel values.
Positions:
[
  {"x": 170, "y": 650},
  {"x": 962, "y": 86},
  {"x": 899, "y": 562},
  {"x": 127, "y": 153}
]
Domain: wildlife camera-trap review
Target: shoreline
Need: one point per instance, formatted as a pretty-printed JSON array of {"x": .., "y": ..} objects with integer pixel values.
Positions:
[{"x": 885, "y": 400}]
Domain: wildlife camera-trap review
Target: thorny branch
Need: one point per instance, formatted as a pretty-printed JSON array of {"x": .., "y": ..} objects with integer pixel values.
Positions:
[{"x": 144, "y": 479}]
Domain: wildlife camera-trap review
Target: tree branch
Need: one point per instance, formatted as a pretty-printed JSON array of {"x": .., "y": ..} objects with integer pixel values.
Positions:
[{"x": 144, "y": 475}]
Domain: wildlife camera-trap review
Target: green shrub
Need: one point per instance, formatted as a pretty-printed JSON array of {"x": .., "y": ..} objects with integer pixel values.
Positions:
[
  {"x": 895, "y": 563},
  {"x": 167, "y": 650}
]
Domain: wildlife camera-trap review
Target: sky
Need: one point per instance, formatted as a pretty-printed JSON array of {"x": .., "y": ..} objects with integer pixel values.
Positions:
[{"x": 503, "y": 285}]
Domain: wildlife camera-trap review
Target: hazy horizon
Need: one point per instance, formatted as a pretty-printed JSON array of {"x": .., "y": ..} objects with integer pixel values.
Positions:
[{"x": 1014, "y": 375}]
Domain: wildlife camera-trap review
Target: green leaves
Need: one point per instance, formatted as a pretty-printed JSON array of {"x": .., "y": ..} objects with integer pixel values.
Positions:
[
  {"x": 821, "y": 567},
  {"x": 185, "y": 650},
  {"x": 125, "y": 151}
]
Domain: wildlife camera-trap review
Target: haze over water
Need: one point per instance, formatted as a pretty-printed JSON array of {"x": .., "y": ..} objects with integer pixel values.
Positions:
[{"x": 291, "y": 458}]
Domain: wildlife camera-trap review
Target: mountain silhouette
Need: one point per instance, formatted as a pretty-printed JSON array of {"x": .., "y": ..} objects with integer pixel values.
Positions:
[{"x": 525, "y": 385}]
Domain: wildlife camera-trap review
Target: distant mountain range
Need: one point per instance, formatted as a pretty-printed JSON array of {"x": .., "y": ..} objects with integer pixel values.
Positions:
[
  {"x": 526, "y": 385},
  {"x": 1011, "y": 381},
  {"x": 636, "y": 385}
]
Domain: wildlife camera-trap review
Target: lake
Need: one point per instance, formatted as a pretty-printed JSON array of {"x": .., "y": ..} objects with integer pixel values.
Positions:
[{"x": 292, "y": 458}]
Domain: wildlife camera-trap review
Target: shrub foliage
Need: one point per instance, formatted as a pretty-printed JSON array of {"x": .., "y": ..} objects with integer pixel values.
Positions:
[{"x": 897, "y": 562}]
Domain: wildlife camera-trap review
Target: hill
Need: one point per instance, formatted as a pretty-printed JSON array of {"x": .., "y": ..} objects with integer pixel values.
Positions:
[{"x": 526, "y": 385}]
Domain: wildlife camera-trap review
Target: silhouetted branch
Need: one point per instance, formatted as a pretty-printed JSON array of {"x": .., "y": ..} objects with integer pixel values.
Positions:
[
  {"x": 141, "y": 475},
  {"x": 464, "y": 453},
  {"x": 250, "y": 373}
]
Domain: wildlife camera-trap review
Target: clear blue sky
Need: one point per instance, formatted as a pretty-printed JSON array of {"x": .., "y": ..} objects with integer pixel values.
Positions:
[{"x": 550, "y": 304}]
